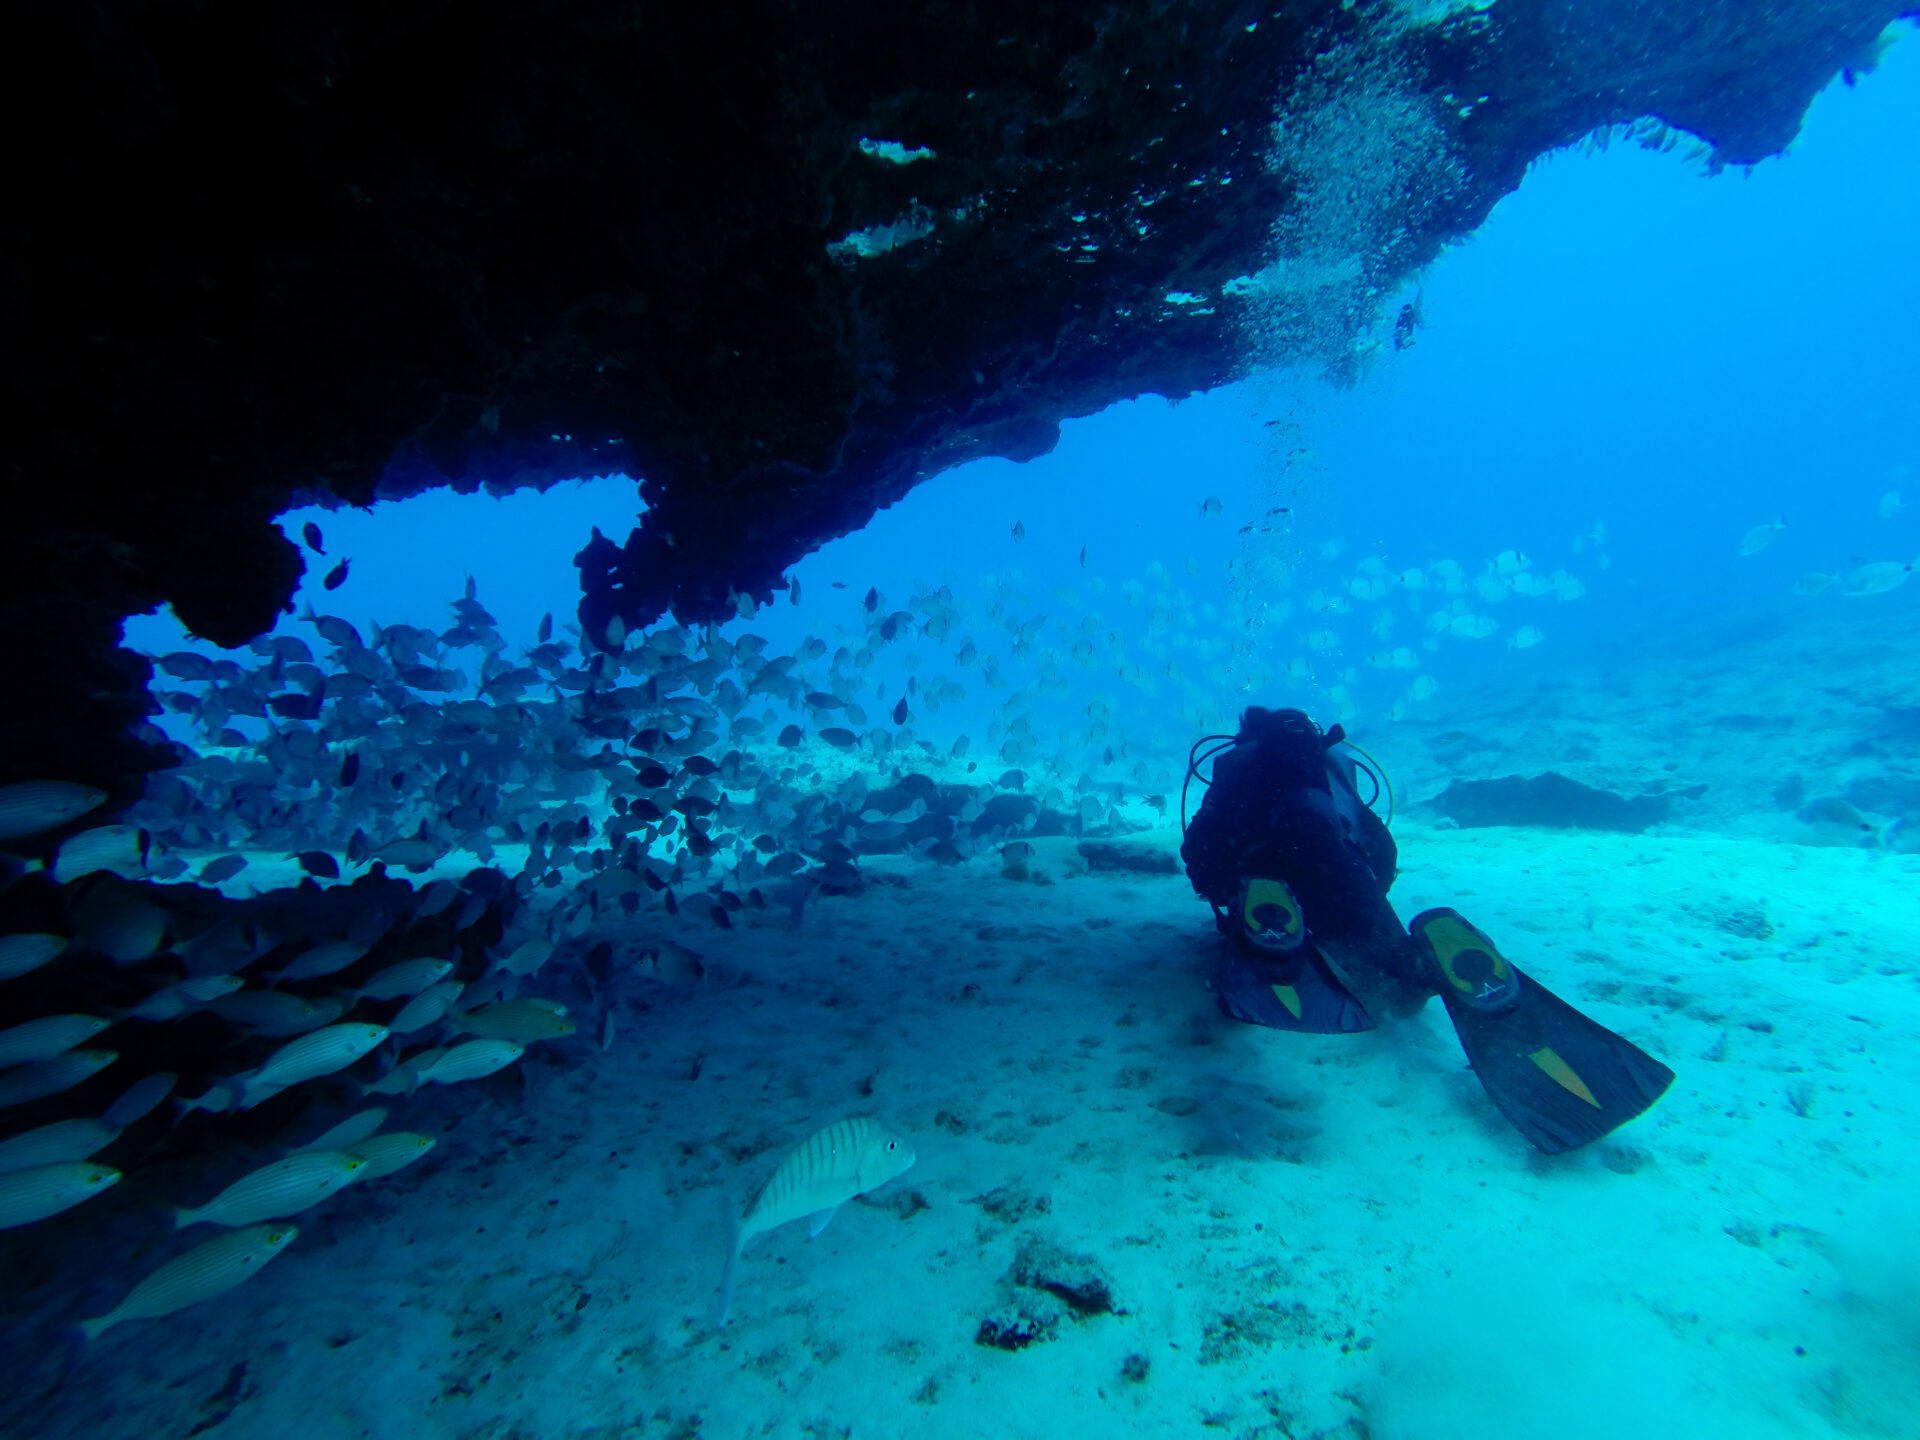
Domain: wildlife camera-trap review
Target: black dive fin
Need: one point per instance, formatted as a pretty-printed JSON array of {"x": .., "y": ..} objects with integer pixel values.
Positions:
[
  {"x": 1562, "y": 1079},
  {"x": 1296, "y": 993}
]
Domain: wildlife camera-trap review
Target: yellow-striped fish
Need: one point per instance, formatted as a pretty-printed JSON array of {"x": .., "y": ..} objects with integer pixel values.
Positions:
[
  {"x": 202, "y": 1273},
  {"x": 347, "y": 1134},
  {"x": 426, "y": 1008},
  {"x": 277, "y": 1012},
  {"x": 55, "y": 1144},
  {"x": 29, "y": 1195},
  {"x": 50, "y": 1077},
  {"x": 217, "y": 1098},
  {"x": 827, "y": 1169},
  {"x": 404, "y": 1077},
  {"x": 47, "y": 1037},
  {"x": 385, "y": 1154},
  {"x": 34, "y": 806},
  {"x": 323, "y": 1052},
  {"x": 528, "y": 958},
  {"x": 123, "y": 849},
  {"x": 471, "y": 1061},
  {"x": 176, "y": 1000},
  {"x": 140, "y": 1099},
  {"x": 273, "y": 1192},
  {"x": 329, "y": 957},
  {"x": 408, "y": 977},
  {"x": 522, "y": 1021},
  {"x": 21, "y": 953}
]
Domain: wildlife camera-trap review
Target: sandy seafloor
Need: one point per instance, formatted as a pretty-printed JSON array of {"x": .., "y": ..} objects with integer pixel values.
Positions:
[{"x": 1304, "y": 1236}]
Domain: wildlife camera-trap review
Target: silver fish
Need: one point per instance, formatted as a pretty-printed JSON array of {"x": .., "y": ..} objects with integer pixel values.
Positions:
[
  {"x": 385, "y": 1154},
  {"x": 426, "y": 1008},
  {"x": 34, "y": 806},
  {"x": 116, "y": 918},
  {"x": 123, "y": 849},
  {"x": 827, "y": 1169},
  {"x": 58, "y": 1143},
  {"x": 22, "y": 953},
  {"x": 140, "y": 1098},
  {"x": 176, "y": 1000},
  {"x": 1875, "y": 578},
  {"x": 202, "y": 1273},
  {"x": 1761, "y": 536},
  {"x": 275, "y": 1012},
  {"x": 275, "y": 1191},
  {"x": 350, "y": 1131},
  {"x": 47, "y": 1037},
  {"x": 327, "y": 958},
  {"x": 29, "y": 1195},
  {"x": 407, "y": 977},
  {"x": 50, "y": 1077},
  {"x": 308, "y": 1058},
  {"x": 471, "y": 1061}
]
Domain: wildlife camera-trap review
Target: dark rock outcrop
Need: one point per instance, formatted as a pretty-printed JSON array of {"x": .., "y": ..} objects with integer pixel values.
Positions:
[
  {"x": 1129, "y": 857},
  {"x": 257, "y": 254},
  {"x": 1550, "y": 800}
]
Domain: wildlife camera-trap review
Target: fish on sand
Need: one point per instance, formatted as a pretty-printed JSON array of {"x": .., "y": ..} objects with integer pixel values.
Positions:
[{"x": 827, "y": 1169}]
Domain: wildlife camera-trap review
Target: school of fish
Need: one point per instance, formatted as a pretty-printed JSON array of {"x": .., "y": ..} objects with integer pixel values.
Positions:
[{"x": 461, "y": 818}]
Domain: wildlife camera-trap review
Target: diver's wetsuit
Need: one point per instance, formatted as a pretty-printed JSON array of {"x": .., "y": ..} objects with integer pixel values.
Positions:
[
  {"x": 1283, "y": 803},
  {"x": 1298, "y": 868}
]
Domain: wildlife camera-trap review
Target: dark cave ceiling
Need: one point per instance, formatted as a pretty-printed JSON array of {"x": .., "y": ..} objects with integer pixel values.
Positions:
[{"x": 257, "y": 254}]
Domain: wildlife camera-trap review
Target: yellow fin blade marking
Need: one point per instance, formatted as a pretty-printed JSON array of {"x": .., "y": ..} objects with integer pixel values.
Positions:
[{"x": 1563, "y": 1075}]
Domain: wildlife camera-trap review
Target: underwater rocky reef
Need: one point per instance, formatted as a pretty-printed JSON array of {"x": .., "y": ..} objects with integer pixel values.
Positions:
[
  {"x": 782, "y": 264},
  {"x": 523, "y": 962}
]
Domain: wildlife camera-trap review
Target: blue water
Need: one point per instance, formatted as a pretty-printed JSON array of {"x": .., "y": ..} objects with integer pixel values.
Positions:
[{"x": 1628, "y": 369}]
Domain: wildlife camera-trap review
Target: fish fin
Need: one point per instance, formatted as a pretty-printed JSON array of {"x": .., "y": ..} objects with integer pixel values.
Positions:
[
  {"x": 734, "y": 1241},
  {"x": 249, "y": 1092},
  {"x": 183, "y": 1217},
  {"x": 820, "y": 1219}
]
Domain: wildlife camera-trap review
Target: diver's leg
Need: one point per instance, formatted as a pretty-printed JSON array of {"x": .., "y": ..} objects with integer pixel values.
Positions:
[{"x": 1356, "y": 930}]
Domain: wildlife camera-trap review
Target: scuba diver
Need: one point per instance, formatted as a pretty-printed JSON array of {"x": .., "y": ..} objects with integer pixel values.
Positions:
[{"x": 1297, "y": 870}]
